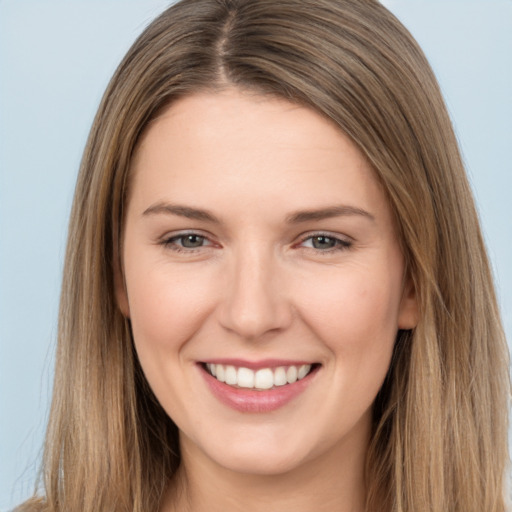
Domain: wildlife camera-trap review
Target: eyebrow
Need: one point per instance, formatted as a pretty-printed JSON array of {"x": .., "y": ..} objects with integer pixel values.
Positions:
[
  {"x": 181, "y": 211},
  {"x": 327, "y": 213},
  {"x": 294, "y": 218}
]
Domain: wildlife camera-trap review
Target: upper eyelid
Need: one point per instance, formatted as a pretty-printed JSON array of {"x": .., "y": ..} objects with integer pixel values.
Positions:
[
  {"x": 172, "y": 243},
  {"x": 177, "y": 234},
  {"x": 327, "y": 234}
]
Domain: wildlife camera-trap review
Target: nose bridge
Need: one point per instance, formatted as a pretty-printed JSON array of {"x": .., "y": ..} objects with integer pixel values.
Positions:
[{"x": 254, "y": 301}]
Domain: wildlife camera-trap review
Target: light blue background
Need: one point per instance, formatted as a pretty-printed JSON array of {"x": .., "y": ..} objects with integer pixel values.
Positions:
[{"x": 56, "y": 58}]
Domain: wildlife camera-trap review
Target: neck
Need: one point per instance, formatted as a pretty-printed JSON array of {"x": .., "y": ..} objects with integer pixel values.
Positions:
[{"x": 332, "y": 481}]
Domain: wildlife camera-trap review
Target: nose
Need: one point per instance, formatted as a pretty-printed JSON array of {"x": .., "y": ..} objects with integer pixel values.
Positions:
[{"x": 254, "y": 301}]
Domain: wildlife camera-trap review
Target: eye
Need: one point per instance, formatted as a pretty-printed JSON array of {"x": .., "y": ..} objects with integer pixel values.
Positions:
[
  {"x": 324, "y": 242},
  {"x": 186, "y": 241},
  {"x": 191, "y": 241}
]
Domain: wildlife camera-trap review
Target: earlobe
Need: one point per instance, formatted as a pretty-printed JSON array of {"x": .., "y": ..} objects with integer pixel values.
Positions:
[{"x": 408, "y": 316}]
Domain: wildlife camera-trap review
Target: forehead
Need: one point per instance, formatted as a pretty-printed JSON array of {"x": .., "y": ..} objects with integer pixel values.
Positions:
[{"x": 233, "y": 145}]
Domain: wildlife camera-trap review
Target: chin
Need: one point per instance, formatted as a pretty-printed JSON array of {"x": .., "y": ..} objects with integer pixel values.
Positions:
[{"x": 260, "y": 463}]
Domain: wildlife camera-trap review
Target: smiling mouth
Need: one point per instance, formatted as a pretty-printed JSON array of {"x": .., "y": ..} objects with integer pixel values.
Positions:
[{"x": 263, "y": 379}]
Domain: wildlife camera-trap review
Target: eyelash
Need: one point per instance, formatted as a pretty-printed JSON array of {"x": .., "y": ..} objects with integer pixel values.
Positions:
[
  {"x": 171, "y": 242},
  {"x": 339, "y": 243}
]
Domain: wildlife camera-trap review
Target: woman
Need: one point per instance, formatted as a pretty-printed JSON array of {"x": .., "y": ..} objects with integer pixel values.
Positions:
[{"x": 276, "y": 294}]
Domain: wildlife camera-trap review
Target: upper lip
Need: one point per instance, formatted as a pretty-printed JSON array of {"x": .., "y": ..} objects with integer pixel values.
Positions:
[{"x": 256, "y": 365}]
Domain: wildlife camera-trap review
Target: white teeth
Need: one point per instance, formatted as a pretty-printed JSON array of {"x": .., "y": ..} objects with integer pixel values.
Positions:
[
  {"x": 303, "y": 371},
  {"x": 245, "y": 378},
  {"x": 264, "y": 378},
  {"x": 230, "y": 374},
  {"x": 280, "y": 377},
  {"x": 291, "y": 374},
  {"x": 220, "y": 373}
]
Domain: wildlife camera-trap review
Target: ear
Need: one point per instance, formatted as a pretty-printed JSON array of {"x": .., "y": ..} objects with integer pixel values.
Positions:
[
  {"x": 408, "y": 314},
  {"x": 120, "y": 287}
]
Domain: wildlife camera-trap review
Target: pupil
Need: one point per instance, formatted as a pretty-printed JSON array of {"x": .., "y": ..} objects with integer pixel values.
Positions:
[
  {"x": 323, "y": 242},
  {"x": 192, "y": 241}
]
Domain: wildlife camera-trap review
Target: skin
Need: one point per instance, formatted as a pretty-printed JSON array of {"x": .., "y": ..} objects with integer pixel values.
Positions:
[{"x": 259, "y": 286}]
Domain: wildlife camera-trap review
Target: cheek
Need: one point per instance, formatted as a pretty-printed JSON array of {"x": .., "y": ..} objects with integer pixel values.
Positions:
[
  {"x": 355, "y": 314},
  {"x": 354, "y": 309},
  {"x": 166, "y": 309}
]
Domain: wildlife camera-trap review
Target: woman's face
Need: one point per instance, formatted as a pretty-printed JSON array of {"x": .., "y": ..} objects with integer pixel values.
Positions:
[{"x": 259, "y": 246}]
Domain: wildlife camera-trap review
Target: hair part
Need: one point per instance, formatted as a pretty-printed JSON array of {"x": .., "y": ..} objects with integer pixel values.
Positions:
[{"x": 439, "y": 440}]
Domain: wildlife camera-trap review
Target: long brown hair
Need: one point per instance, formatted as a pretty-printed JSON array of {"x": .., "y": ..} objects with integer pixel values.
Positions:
[{"x": 439, "y": 440}]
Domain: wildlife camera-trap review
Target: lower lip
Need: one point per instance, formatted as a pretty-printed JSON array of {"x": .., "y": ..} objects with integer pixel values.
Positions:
[{"x": 250, "y": 400}]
